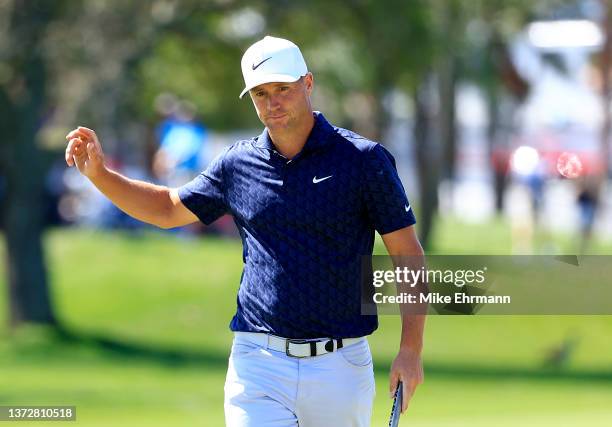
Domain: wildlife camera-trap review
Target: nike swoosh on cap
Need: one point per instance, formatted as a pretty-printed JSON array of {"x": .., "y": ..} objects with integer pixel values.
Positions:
[
  {"x": 254, "y": 67},
  {"x": 316, "y": 180}
]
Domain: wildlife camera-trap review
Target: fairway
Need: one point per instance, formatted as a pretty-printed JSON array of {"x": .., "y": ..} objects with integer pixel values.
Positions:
[
  {"x": 110, "y": 390},
  {"x": 148, "y": 342}
]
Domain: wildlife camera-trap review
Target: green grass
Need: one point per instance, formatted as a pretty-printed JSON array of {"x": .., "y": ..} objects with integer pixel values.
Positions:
[
  {"x": 113, "y": 390},
  {"x": 160, "y": 293},
  {"x": 451, "y": 236}
]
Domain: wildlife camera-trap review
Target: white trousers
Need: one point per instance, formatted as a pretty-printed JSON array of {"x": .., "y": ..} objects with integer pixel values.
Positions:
[{"x": 267, "y": 388}]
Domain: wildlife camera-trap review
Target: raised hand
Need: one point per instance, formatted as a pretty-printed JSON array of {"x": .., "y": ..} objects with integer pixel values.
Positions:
[{"x": 84, "y": 151}]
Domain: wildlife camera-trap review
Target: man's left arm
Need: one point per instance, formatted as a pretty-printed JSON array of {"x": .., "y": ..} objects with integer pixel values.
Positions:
[{"x": 403, "y": 244}]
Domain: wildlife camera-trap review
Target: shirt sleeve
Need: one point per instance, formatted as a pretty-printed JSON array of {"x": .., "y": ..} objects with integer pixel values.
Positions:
[
  {"x": 386, "y": 204},
  {"x": 205, "y": 194}
]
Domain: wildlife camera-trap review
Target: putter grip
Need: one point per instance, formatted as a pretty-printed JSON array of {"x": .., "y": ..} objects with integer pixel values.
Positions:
[{"x": 396, "y": 410}]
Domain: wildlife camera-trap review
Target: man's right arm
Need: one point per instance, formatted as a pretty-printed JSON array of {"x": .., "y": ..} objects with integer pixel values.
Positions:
[{"x": 154, "y": 204}]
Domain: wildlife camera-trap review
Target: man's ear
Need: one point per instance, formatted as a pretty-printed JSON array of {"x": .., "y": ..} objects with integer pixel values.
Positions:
[{"x": 309, "y": 82}]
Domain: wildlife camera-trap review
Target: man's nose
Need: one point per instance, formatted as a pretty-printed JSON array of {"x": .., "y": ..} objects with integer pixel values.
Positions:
[{"x": 273, "y": 103}]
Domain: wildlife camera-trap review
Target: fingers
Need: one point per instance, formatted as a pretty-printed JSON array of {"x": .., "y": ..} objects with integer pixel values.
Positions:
[
  {"x": 393, "y": 382},
  {"x": 409, "y": 385},
  {"x": 82, "y": 141},
  {"x": 88, "y": 131},
  {"x": 84, "y": 133},
  {"x": 74, "y": 148},
  {"x": 93, "y": 151},
  {"x": 67, "y": 154},
  {"x": 78, "y": 134},
  {"x": 91, "y": 136},
  {"x": 407, "y": 368},
  {"x": 407, "y": 391}
]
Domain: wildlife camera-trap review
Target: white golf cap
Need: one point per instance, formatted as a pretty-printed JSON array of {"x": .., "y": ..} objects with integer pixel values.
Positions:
[{"x": 272, "y": 60}]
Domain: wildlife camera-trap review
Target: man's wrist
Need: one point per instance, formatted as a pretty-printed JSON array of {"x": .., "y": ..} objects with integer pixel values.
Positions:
[
  {"x": 411, "y": 349},
  {"x": 98, "y": 174}
]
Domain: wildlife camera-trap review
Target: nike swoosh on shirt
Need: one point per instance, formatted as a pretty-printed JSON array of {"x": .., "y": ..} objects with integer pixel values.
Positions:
[
  {"x": 316, "y": 180},
  {"x": 407, "y": 207},
  {"x": 254, "y": 67}
]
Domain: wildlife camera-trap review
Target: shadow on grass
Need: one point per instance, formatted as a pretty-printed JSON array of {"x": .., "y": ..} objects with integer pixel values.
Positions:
[
  {"x": 475, "y": 372},
  {"x": 143, "y": 352},
  {"x": 219, "y": 360}
]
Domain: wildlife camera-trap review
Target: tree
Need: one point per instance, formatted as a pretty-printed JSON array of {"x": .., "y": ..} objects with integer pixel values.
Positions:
[
  {"x": 54, "y": 71},
  {"x": 22, "y": 108}
]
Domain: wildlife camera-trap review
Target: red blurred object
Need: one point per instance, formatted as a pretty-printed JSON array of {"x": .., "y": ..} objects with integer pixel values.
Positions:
[
  {"x": 569, "y": 165},
  {"x": 573, "y": 143}
]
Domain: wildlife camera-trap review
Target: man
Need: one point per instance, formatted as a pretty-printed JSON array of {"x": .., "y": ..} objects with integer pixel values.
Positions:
[{"x": 306, "y": 198}]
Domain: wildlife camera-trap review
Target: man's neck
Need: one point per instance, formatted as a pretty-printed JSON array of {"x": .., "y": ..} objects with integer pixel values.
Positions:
[{"x": 289, "y": 143}]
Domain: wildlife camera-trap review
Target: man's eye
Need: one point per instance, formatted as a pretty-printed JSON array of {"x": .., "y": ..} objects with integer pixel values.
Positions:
[
  {"x": 259, "y": 94},
  {"x": 284, "y": 88}
]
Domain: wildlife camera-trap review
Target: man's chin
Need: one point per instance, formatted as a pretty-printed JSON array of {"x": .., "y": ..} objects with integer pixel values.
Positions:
[{"x": 277, "y": 123}]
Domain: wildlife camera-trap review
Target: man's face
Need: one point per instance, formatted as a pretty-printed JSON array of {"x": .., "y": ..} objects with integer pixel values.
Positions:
[{"x": 283, "y": 105}]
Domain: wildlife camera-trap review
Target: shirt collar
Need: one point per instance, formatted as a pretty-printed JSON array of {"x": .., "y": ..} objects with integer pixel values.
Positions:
[{"x": 319, "y": 135}]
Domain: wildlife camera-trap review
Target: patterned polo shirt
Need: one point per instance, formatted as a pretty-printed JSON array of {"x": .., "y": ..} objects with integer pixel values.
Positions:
[{"x": 305, "y": 224}]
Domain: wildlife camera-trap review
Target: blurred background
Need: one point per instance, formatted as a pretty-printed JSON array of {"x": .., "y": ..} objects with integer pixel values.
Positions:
[{"x": 497, "y": 112}]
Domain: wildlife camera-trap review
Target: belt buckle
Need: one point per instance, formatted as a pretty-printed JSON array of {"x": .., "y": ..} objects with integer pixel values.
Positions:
[{"x": 295, "y": 341}]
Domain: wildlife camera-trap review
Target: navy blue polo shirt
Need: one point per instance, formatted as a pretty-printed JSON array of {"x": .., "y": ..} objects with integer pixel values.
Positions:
[{"x": 305, "y": 223}]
